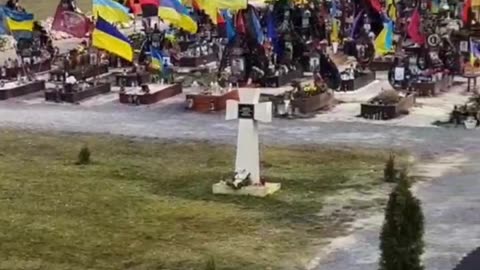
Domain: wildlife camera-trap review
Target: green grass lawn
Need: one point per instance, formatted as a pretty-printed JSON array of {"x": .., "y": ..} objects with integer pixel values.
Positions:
[{"x": 148, "y": 204}]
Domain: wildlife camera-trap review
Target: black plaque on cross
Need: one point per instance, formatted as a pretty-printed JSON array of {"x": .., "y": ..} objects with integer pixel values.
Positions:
[{"x": 246, "y": 111}]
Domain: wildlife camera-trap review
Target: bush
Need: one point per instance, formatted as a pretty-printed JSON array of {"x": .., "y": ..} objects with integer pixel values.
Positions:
[
  {"x": 211, "y": 264},
  {"x": 387, "y": 97},
  {"x": 84, "y": 156},
  {"x": 401, "y": 238},
  {"x": 390, "y": 172}
]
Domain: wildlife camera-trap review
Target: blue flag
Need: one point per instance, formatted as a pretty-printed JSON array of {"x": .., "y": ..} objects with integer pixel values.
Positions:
[
  {"x": 231, "y": 33},
  {"x": 3, "y": 29},
  {"x": 333, "y": 10},
  {"x": 356, "y": 23},
  {"x": 389, "y": 37},
  {"x": 272, "y": 33},
  {"x": 258, "y": 28}
]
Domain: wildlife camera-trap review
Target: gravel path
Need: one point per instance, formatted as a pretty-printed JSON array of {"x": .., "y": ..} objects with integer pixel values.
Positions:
[
  {"x": 450, "y": 206},
  {"x": 170, "y": 121}
]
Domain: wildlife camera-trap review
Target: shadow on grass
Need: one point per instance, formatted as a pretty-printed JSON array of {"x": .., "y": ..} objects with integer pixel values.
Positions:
[
  {"x": 307, "y": 175},
  {"x": 297, "y": 203}
]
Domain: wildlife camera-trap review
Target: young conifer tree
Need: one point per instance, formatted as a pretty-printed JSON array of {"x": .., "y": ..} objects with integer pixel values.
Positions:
[{"x": 401, "y": 238}]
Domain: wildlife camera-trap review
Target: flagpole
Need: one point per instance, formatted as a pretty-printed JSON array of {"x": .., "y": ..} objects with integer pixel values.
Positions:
[{"x": 134, "y": 23}]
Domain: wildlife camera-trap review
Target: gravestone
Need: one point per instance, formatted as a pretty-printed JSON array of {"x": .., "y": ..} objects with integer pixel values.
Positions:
[{"x": 249, "y": 112}]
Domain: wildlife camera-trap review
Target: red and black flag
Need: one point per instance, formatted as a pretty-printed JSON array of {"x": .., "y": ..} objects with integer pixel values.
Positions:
[
  {"x": 467, "y": 9},
  {"x": 149, "y": 8},
  {"x": 69, "y": 19}
]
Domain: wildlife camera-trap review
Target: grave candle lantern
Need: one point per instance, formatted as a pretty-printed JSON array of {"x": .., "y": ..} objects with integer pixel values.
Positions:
[{"x": 306, "y": 19}]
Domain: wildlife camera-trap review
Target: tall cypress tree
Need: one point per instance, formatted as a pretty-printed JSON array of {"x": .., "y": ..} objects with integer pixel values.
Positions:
[{"x": 401, "y": 239}]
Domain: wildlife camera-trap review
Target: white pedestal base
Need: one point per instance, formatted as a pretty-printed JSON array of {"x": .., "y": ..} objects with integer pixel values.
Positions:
[
  {"x": 256, "y": 191},
  {"x": 335, "y": 47}
]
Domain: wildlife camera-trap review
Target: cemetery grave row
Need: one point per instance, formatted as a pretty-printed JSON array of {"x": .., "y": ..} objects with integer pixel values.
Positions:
[{"x": 210, "y": 67}]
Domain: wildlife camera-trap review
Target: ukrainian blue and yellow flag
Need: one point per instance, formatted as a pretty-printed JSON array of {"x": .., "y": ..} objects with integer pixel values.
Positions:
[
  {"x": 111, "y": 11},
  {"x": 157, "y": 59},
  {"x": 474, "y": 50},
  {"x": 106, "y": 37},
  {"x": 18, "y": 21},
  {"x": 223, "y": 4},
  {"x": 211, "y": 7},
  {"x": 384, "y": 41},
  {"x": 177, "y": 14}
]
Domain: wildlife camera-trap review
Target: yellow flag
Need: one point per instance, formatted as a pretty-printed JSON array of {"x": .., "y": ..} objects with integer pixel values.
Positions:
[
  {"x": 211, "y": 7},
  {"x": 229, "y": 4},
  {"x": 380, "y": 42},
  {"x": 334, "y": 33},
  {"x": 300, "y": 2},
  {"x": 392, "y": 10}
]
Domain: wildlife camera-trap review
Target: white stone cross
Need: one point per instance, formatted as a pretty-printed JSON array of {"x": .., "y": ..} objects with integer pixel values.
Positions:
[{"x": 248, "y": 112}]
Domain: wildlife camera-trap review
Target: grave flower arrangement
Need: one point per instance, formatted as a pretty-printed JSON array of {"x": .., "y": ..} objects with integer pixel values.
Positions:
[
  {"x": 309, "y": 90},
  {"x": 388, "y": 97},
  {"x": 4, "y": 44},
  {"x": 137, "y": 39},
  {"x": 469, "y": 109},
  {"x": 239, "y": 180}
]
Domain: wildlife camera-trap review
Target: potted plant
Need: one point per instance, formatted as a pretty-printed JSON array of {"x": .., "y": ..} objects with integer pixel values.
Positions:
[
  {"x": 310, "y": 98},
  {"x": 468, "y": 113}
]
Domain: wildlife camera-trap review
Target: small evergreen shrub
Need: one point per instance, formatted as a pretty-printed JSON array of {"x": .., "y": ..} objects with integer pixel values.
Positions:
[
  {"x": 390, "y": 172},
  {"x": 401, "y": 238},
  {"x": 84, "y": 156}
]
